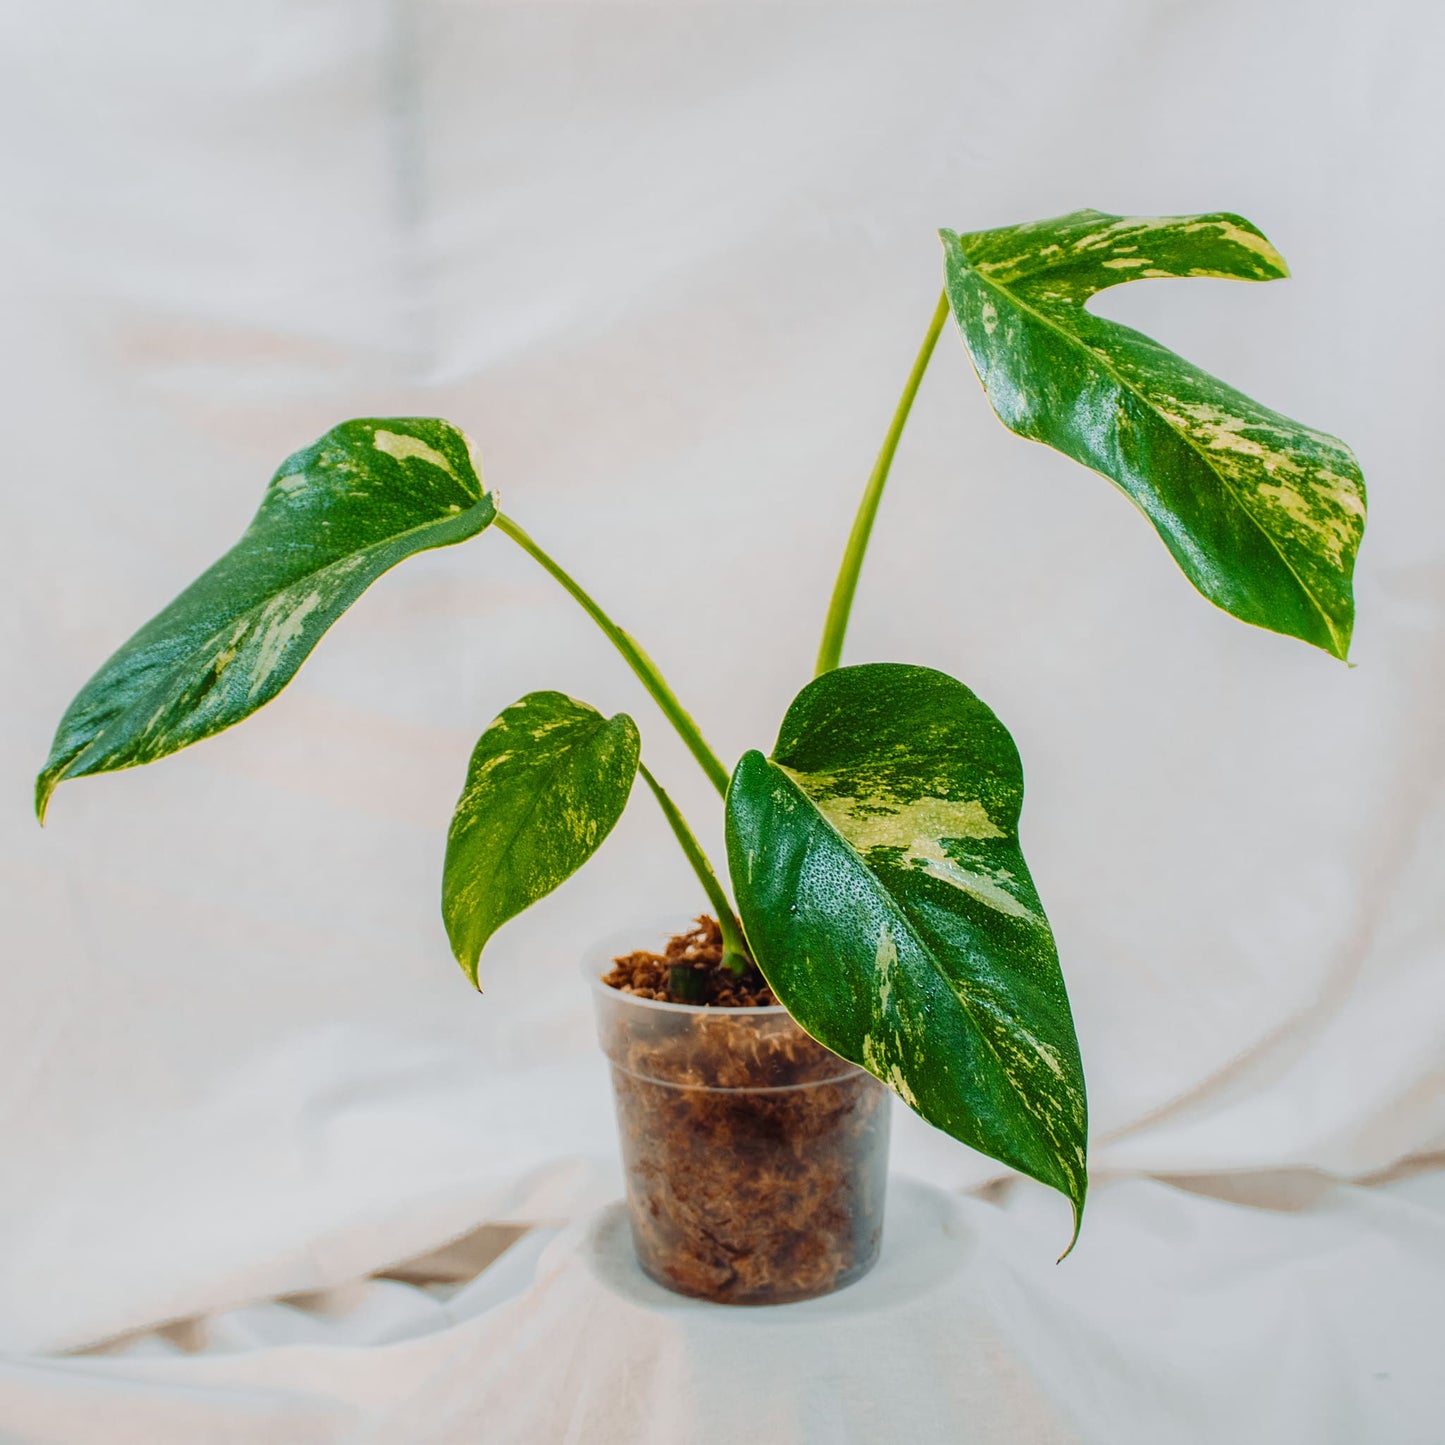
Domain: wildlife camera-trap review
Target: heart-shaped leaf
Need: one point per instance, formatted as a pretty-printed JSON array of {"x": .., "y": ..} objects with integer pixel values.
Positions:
[
  {"x": 876, "y": 865},
  {"x": 334, "y": 518},
  {"x": 547, "y": 782},
  {"x": 1263, "y": 514}
]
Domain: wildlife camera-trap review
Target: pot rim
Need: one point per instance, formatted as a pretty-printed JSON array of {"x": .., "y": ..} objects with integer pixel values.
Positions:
[{"x": 599, "y": 958}]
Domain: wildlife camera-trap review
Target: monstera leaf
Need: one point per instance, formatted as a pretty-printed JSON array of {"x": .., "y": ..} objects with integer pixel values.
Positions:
[
  {"x": 334, "y": 518},
  {"x": 876, "y": 866},
  {"x": 1263, "y": 514},
  {"x": 547, "y": 782}
]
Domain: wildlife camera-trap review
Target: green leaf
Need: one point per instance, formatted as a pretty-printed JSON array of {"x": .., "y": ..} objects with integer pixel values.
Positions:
[
  {"x": 876, "y": 865},
  {"x": 334, "y": 518},
  {"x": 547, "y": 782},
  {"x": 1263, "y": 514}
]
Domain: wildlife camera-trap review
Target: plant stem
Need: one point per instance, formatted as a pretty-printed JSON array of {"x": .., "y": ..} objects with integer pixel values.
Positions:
[
  {"x": 830, "y": 649},
  {"x": 735, "y": 948},
  {"x": 636, "y": 658}
]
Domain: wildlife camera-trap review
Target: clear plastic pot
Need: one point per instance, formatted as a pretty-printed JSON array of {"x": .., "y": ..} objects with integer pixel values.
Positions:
[{"x": 756, "y": 1160}]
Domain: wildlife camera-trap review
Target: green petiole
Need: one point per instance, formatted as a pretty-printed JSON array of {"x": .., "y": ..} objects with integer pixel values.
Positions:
[
  {"x": 830, "y": 648},
  {"x": 633, "y": 654},
  {"x": 735, "y": 948}
]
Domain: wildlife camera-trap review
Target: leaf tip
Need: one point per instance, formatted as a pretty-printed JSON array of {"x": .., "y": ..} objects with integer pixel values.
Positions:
[
  {"x": 45, "y": 785},
  {"x": 1078, "y": 1208},
  {"x": 1339, "y": 635},
  {"x": 467, "y": 957}
]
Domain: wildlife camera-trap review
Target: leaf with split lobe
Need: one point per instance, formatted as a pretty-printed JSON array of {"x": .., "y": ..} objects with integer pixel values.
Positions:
[
  {"x": 334, "y": 518},
  {"x": 547, "y": 782},
  {"x": 1263, "y": 514},
  {"x": 876, "y": 865}
]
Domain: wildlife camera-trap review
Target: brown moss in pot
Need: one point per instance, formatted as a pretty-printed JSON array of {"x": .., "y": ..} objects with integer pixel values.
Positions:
[{"x": 756, "y": 1159}]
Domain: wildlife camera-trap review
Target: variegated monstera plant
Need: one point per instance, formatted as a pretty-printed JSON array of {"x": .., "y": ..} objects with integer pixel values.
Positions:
[{"x": 874, "y": 852}]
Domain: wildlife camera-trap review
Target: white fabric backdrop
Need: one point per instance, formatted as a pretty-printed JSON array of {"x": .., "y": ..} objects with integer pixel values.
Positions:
[{"x": 669, "y": 266}]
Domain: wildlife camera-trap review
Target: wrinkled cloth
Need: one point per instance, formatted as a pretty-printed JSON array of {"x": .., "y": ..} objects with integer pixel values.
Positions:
[
  {"x": 669, "y": 266},
  {"x": 1182, "y": 1317}
]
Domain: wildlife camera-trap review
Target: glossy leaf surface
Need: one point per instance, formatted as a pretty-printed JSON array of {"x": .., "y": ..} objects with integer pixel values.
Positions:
[
  {"x": 1263, "y": 514},
  {"x": 876, "y": 865},
  {"x": 547, "y": 782},
  {"x": 334, "y": 518}
]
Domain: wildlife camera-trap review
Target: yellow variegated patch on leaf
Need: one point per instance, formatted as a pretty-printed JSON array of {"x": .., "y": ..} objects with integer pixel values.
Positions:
[
  {"x": 334, "y": 518},
  {"x": 876, "y": 865},
  {"x": 1264, "y": 515}
]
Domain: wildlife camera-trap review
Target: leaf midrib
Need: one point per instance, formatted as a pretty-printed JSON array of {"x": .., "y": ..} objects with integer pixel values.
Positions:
[{"x": 896, "y": 909}]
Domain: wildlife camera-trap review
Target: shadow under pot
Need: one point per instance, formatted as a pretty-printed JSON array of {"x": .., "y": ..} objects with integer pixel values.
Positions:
[{"x": 756, "y": 1160}]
